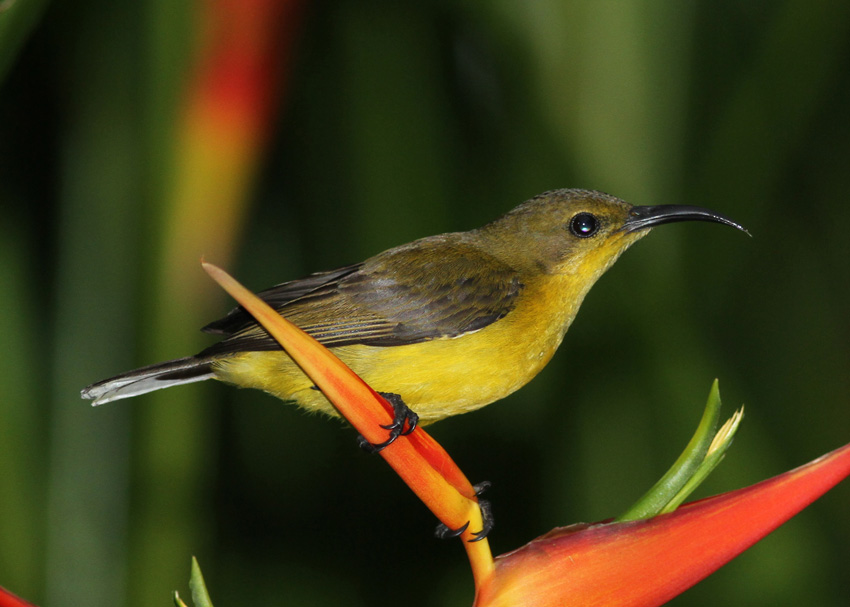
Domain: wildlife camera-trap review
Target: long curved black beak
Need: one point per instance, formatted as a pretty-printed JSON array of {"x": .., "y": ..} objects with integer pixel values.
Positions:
[{"x": 641, "y": 218}]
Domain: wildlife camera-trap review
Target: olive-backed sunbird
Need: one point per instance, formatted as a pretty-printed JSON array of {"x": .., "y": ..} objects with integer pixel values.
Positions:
[{"x": 449, "y": 323}]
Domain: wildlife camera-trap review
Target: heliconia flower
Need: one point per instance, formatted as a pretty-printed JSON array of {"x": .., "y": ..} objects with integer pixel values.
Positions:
[
  {"x": 638, "y": 563},
  {"x": 648, "y": 562}
]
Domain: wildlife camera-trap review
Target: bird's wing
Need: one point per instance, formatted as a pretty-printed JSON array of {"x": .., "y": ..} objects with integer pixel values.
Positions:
[
  {"x": 414, "y": 293},
  {"x": 278, "y": 296}
]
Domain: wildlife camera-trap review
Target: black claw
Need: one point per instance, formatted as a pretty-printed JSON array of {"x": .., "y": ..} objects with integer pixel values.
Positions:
[
  {"x": 404, "y": 422},
  {"x": 402, "y": 414},
  {"x": 487, "y": 517},
  {"x": 442, "y": 532},
  {"x": 481, "y": 487},
  {"x": 367, "y": 446}
]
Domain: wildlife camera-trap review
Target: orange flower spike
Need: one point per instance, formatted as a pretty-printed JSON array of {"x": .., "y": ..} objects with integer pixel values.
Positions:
[
  {"x": 417, "y": 458},
  {"x": 648, "y": 562}
]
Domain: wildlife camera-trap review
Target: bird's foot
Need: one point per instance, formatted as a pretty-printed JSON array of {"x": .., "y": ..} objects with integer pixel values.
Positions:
[
  {"x": 402, "y": 416},
  {"x": 443, "y": 532}
]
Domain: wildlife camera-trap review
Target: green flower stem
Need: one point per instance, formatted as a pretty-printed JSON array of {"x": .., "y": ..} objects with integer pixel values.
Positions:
[
  {"x": 689, "y": 464},
  {"x": 715, "y": 455}
]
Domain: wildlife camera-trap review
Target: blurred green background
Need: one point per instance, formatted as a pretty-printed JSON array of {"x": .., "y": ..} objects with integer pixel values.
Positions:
[{"x": 400, "y": 120}]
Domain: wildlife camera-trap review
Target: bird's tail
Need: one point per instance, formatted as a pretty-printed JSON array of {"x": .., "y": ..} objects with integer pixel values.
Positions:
[{"x": 150, "y": 378}]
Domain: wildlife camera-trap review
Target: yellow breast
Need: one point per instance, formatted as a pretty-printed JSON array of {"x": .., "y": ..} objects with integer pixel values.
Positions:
[{"x": 436, "y": 378}]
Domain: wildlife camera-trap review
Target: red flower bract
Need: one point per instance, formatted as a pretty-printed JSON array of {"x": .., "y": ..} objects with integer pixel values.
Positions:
[{"x": 648, "y": 562}]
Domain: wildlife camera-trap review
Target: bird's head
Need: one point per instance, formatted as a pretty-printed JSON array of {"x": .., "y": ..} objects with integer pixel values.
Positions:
[{"x": 580, "y": 232}]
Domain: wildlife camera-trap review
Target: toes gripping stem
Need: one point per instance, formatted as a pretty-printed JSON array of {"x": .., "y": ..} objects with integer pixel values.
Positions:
[{"x": 404, "y": 422}]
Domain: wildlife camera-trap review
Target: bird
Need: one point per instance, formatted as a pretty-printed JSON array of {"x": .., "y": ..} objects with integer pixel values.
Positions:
[{"x": 440, "y": 326}]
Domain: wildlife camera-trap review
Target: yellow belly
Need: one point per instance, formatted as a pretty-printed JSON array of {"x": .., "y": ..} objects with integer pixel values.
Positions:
[{"x": 437, "y": 378}]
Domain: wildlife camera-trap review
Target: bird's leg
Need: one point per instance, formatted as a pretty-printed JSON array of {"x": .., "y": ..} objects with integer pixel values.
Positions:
[
  {"x": 443, "y": 532},
  {"x": 402, "y": 414}
]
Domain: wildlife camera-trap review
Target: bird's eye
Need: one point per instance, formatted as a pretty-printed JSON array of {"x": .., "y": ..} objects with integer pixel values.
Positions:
[{"x": 584, "y": 225}]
